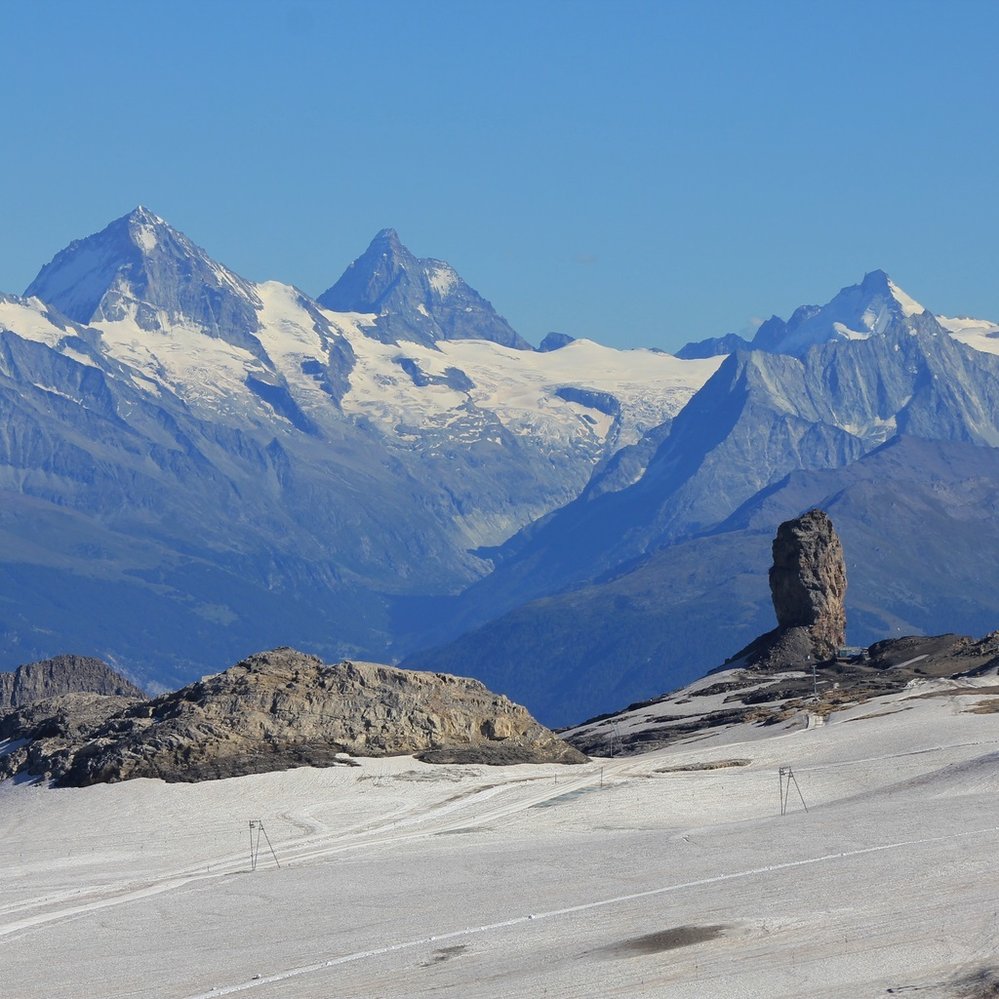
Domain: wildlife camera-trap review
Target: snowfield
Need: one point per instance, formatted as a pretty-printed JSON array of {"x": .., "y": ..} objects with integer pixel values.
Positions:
[
  {"x": 618, "y": 878},
  {"x": 519, "y": 388}
]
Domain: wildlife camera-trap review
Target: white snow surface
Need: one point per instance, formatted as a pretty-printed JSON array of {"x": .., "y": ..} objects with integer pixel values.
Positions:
[
  {"x": 400, "y": 879},
  {"x": 910, "y": 307},
  {"x": 517, "y": 387},
  {"x": 27, "y": 319},
  {"x": 145, "y": 236},
  {"x": 442, "y": 278},
  {"x": 471, "y": 393},
  {"x": 978, "y": 333}
]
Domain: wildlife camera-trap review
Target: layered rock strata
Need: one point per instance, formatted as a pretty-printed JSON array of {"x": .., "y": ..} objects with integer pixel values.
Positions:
[{"x": 283, "y": 708}]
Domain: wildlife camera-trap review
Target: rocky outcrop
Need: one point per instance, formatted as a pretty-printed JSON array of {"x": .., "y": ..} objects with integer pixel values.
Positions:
[
  {"x": 808, "y": 580},
  {"x": 792, "y": 697},
  {"x": 808, "y": 586},
  {"x": 555, "y": 341},
  {"x": 713, "y": 346},
  {"x": 43, "y": 736},
  {"x": 61, "y": 675},
  {"x": 283, "y": 708}
]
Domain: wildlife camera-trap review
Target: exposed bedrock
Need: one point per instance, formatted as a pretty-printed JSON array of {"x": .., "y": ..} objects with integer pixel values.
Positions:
[{"x": 808, "y": 580}]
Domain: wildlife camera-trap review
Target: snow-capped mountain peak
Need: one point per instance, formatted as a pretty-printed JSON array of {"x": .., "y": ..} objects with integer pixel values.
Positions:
[
  {"x": 855, "y": 313},
  {"x": 910, "y": 307},
  {"x": 158, "y": 312},
  {"x": 420, "y": 300},
  {"x": 139, "y": 268},
  {"x": 142, "y": 226}
]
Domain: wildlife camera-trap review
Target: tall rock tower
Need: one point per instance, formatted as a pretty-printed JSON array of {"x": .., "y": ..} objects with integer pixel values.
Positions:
[
  {"x": 808, "y": 580},
  {"x": 808, "y": 585}
]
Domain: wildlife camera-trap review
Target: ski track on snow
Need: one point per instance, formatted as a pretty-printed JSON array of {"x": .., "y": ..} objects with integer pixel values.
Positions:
[
  {"x": 388, "y": 831},
  {"x": 379, "y": 834},
  {"x": 309, "y": 969}
]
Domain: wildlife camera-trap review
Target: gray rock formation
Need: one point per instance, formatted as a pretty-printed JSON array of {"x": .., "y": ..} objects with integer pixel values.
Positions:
[
  {"x": 283, "y": 709},
  {"x": 61, "y": 675},
  {"x": 788, "y": 698},
  {"x": 713, "y": 346},
  {"x": 808, "y": 586},
  {"x": 555, "y": 341},
  {"x": 45, "y": 735},
  {"x": 808, "y": 580}
]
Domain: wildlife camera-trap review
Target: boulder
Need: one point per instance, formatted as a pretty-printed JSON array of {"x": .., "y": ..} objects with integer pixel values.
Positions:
[{"x": 808, "y": 586}]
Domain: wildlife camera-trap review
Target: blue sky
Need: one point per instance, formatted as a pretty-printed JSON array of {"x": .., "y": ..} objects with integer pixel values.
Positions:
[{"x": 642, "y": 173}]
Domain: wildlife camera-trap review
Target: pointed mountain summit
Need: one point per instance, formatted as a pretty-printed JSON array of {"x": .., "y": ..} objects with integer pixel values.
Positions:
[
  {"x": 423, "y": 300},
  {"x": 140, "y": 268},
  {"x": 857, "y": 312}
]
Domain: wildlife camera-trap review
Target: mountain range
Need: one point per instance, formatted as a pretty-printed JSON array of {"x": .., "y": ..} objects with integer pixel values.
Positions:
[
  {"x": 194, "y": 466},
  {"x": 890, "y": 424}
]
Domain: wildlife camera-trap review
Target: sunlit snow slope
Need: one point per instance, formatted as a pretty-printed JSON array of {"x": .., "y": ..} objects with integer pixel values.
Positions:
[{"x": 669, "y": 874}]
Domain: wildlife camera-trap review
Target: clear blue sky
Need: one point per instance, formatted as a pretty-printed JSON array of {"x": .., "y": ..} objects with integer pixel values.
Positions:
[{"x": 642, "y": 173}]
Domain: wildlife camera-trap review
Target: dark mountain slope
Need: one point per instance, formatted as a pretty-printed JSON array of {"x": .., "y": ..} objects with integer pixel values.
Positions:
[
  {"x": 916, "y": 518},
  {"x": 65, "y": 674},
  {"x": 759, "y": 418}
]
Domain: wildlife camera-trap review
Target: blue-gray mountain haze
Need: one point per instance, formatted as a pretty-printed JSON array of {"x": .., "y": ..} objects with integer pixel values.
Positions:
[{"x": 194, "y": 467}]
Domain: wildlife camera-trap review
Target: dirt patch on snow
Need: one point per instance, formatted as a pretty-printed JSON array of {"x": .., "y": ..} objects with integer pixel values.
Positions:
[
  {"x": 954, "y": 692},
  {"x": 443, "y": 954},
  {"x": 713, "y": 765},
  {"x": 989, "y": 707},
  {"x": 664, "y": 940}
]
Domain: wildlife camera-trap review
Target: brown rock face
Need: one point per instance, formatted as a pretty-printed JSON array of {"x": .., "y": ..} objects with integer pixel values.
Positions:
[
  {"x": 808, "y": 580},
  {"x": 47, "y": 733},
  {"x": 283, "y": 709}
]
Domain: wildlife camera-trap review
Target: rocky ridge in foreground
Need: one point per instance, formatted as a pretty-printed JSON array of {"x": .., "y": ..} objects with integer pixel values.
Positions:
[
  {"x": 794, "y": 698},
  {"x": 273, "y": 711}
]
